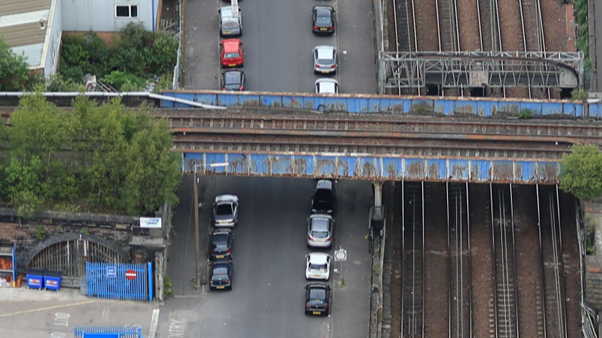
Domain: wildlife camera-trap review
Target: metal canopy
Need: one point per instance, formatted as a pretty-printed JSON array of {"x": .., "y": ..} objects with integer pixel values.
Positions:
[{"x": 478, "y": 69}]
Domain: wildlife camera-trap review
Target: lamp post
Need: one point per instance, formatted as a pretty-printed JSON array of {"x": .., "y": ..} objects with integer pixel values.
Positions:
[{"x": 196, "y": 217}]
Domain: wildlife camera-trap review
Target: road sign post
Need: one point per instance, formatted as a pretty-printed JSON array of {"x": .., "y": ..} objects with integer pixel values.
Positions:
[{"x": 340, "y": 256}]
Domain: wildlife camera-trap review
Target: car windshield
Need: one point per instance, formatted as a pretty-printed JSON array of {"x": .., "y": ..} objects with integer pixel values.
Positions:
[
  {"x": 317, "y": 296},
  {"x": 220, "y": 271},
  {"x": 223, "y": 209},
  {"x": 220, "y": 241},
  {"x": 317, "y": 266},
  {"x": 231, "y": 55}
]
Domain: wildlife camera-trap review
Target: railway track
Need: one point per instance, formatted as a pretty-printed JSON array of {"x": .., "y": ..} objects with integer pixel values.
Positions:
[
  {"x": 375, "y": 126},
  {"x": 460, "y": 264},
  {"x": 504, "y": 271},
  {"x": 413, "y": 261}
]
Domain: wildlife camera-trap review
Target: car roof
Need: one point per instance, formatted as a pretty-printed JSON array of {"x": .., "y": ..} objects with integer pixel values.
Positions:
[
  {"x": 325, "y": 52},
  {"x": 227, "y": 11},
  {"x": 327, "y": 85},
  {"x": 232, "y": 77},
  {"x": 226, "y": 198},
  {"x": 231, "y": 45},
  {"x": 324, "y": 184},
  {"x": 319, "y": 225},
  {"x": 318, "y": 257}
]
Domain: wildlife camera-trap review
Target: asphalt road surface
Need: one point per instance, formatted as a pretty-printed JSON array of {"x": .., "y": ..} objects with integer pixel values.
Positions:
[
  {"x": 278, "y": 45},
  {"x": 267, "y": 299}
]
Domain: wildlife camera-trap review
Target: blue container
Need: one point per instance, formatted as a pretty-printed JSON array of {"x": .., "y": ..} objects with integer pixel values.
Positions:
[
  {"x": 35, "y": 279},
  {"x": 52, "y": 280}
]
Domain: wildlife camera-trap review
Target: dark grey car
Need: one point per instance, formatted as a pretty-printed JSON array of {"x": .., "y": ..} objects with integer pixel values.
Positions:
[
  {"x": 233, "y": 80},
  {"x": 323, "y": 19}
]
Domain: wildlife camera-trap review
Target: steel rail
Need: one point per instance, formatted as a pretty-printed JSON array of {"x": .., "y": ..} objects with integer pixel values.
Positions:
[
  {"x": 515, "y": 267},
  {"x": 403, "y": 252},
  {"x": 485, "y": 137},
  {"x": 449, "y": 264},
  {"x": 494, "y": 279},
  {"x": 469, "y": 261},
  {"x": 541, "y": 266},
  {"x": 522, "y": 24}
]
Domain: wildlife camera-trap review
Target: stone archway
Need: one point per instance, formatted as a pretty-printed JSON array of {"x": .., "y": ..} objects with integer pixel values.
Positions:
[{"x": 69, "y": 253}]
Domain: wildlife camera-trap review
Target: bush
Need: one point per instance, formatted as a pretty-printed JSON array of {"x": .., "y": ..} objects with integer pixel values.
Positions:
[
  {"x": 125, "y": 81},
  {"x": 526, "y": 114},
  {"x": 581, "y": 171},
  {"x": 14, "y": 71},
  {"x": 579, "y": 94}
]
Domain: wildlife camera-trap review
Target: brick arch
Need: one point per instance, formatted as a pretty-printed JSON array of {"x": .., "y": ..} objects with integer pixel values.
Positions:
[{"x": 25, "y": 260}]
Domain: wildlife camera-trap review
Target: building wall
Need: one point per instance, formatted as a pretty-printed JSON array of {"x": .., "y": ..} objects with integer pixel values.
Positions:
[
  {"x": 52, "y": 48},
  {"x": 99, "y": 15}
]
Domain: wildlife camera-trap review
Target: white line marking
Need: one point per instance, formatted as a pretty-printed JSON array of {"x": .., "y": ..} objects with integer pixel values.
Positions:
[{"x": 152, "y": 332}]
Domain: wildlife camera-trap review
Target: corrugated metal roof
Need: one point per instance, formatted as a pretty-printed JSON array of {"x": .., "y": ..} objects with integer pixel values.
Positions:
[
  {"x": 9, "y": 7},
  {"x": 21, "y": 35}
]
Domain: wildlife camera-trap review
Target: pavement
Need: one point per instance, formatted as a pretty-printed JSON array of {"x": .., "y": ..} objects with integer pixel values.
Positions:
[
  {"x": 278, "y": 44},
  {"x": 269, "y": 249},
  {"x": 42, "y": 314}
]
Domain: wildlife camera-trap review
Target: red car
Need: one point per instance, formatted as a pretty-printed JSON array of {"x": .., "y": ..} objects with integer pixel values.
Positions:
[{"x": 232, "y": 53}]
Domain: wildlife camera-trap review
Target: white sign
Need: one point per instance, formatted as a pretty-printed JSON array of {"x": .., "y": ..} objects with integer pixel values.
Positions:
[
  {"x": 111, "y": 271},
  {"x": 340, "y": 255},
  {"x": 148, "y": 222}
]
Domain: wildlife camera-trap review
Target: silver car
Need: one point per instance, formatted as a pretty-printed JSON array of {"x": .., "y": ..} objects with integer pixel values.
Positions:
[
  {"x": 225, "y": 211},
  {"x": 319, "y": 231},
  {"x": 325, "y": 59},
  {"x": 327, "y": 86},
  {"x": 230, "y": 24}
]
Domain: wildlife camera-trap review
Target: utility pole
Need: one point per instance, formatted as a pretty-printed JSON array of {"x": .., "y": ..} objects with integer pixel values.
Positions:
[{"x": 196, "y": 232}]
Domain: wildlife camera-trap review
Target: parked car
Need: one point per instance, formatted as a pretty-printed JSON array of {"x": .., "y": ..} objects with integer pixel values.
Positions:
[
  {"x": 327, "y": 86},
  {"x": 317, "y": 298},
  {"x": 325, "y": 59},
  {"x": 317, "y": 266},
  {"x": 230, "y": 24},
  {"x": 221, "y": 275},
  {"x": 220, "y": 246},
  {"x": 233, "y": 80},
  {"x": 225, "y": 211},
  {"x": 324, "y": 197},
  {"x": 232, "y": 53},
  {"x": 319, "y": 231},
  {"x": 323, "y": 19}
]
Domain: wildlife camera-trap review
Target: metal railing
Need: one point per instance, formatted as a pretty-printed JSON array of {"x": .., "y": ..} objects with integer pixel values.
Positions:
[{"x": 176, "y": 70}]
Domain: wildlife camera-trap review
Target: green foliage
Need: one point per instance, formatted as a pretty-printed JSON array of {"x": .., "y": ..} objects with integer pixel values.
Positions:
[
  {"x": 137, "y": 55},
  {"x": 579, "y": 94},
  {"x": 85, "y": 231},
  {"x": 60, "y": 83},
  {"x": 14, "y": 72},
  {"x": 526, "y": 114},
  {"x": 125, "y": 81},
  {"x": 582, "y": 38},
  {"x": 41, "y": 232},
  {"x": 106, "y": 156},
  {"x": 167, "y": 286},
  {"x": 581, "y": 171},
  {"x": 165, "y": 83}
]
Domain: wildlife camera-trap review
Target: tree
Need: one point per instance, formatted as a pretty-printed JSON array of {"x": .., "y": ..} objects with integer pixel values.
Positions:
[
  {"x": 153, "y": 173},
  {"x": 14, "y": 72},
  {"x": 581, "y": 171}
]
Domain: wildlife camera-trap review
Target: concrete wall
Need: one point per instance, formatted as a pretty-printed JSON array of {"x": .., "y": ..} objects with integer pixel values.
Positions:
[{"x": 99, "y": 15}]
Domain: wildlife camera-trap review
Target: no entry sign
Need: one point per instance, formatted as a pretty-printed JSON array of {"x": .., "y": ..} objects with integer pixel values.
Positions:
[{"x": 130, "y": 274}]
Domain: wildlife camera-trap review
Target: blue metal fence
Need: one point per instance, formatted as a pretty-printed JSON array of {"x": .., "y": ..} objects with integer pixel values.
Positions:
[
  {"x": 107, "y": 332},
  {"x": 120, "y": 281},
  {"x": 366, "y": 104}
]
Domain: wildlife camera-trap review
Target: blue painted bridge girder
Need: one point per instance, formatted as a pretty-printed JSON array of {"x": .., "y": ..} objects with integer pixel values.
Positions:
[{"x": 366, "y": 167}]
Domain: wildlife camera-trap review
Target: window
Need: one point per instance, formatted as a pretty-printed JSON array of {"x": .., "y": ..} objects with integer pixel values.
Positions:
[{"x": 126, "y": 11}]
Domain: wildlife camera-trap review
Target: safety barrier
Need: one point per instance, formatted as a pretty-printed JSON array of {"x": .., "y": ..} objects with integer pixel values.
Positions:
[
  {"x": 120, "y": 281},
  {"x": 366, "y": 104},
  {"x": 372, "y": 167},
  {"x": 107, "y": 332}
]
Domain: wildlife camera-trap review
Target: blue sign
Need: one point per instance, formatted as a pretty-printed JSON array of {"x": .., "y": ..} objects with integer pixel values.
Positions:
[{"x": 111, "y": 271}]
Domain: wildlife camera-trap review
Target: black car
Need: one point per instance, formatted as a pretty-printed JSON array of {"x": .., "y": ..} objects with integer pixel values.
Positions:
[
  {"x": 317, "y": 298},
  {"x": 323, "y": 19},
  {"x": 221, "y": 275},
  {"x": 233, "y": 80},
  {"x": 324, "y": 197},
  {"x": 220, "y": 246}
]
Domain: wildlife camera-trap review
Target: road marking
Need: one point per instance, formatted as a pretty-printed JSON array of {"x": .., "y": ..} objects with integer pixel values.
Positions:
[
  {"x": 177, "y": 328},
  {"x": 61, "y": 319},
  {"x": 46, "y": 308},
  {"x": 153, "y": 324}
]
